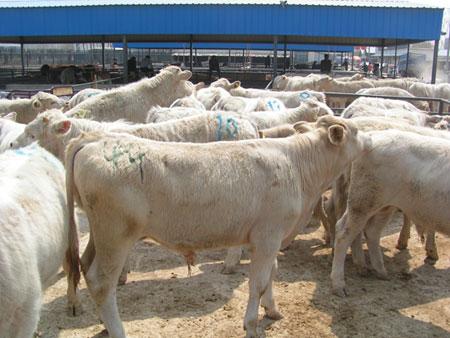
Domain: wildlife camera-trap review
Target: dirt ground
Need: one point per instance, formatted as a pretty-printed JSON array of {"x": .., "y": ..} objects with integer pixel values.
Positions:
[{"x": 160, "y": 300}]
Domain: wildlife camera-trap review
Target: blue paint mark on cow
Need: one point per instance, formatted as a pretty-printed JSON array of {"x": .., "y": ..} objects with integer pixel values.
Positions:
[
  {"x": 231, "y": 128},
  {"x": 232, "y": 122},
  {"x": 304, "y": 96},
  {"x": 219, "y": 127},
  {"x": 273, "y": 105}
]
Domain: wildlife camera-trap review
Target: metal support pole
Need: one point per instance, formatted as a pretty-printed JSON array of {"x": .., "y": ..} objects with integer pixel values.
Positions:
[
  {"x": 22, "y": 59},
  {"x": 229, "y": 57},
  {"x": 103, "y": 53},
  {"x": 342, "y": 58},
  {"x": 125, "y": 58},
  {"x": 382, "y": 59},
  {"x": 353, "y": 58},
  {"x": 448, "y": 53},
  {"x": 190, "y": 52},
  {"x": 395, "y": 60},
  {"x": 291, "y": 64},
  {"x": 243, "y": 59},
  {"x": 285, "y": 51},
  {"x": 435, "y": 58},
  {"x": 196, "y": 58},
  {"x": 275, "y": 56},
  {"x": 407, "y": 61}
]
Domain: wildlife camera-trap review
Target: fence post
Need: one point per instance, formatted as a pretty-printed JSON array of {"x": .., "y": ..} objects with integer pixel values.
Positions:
[{"x": 440, "y": 107}]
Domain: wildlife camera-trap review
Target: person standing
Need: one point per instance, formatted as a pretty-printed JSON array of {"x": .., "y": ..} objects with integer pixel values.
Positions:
[
  {"x": 214, "y": 66},
  {"x": 325, "y": 65},
  {"x": 147, "y": 66}
]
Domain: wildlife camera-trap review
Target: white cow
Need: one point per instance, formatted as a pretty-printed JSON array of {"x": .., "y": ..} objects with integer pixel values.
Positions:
[
  {"x": 188, "y": 102},
  {"x": 337, "y": 203},
  {"x": 81, "y": 96},
  {"x": 391, "y": 91},
  {"x": 297, "y": 83},
  {"x": 210, "y": 96},
  {"x": 251, "y": 192},
  {"x": 34, "y": 240},
  {"x": 441, "y": 90},
  {"x": 246, "y": 105},
  {"x": 133, "y": 101},
  {"x": 9, "y": 131},
  {"x": 53, "y": 130},
  {"x": 309, "y": 111},
  {"x": 162, "y": 114},
  {"x": 27, "y": 109},
  {"x": 402, "y": 171},
  {"x": 225, "y": 84},
  {"x": 369, "y": 106},
  {"x": 289, "y": 99}
]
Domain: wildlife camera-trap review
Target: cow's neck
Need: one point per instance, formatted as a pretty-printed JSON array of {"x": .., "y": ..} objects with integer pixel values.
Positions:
[{"x": 319, "y": 162}]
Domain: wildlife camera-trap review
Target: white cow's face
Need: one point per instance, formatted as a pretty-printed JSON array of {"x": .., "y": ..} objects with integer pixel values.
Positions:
[
  {"x": 39, "y": 129},
  {"x": 9, "y": 130},
  {"x": 44, "y": 101},
  {"x": 280, "y": 82}
]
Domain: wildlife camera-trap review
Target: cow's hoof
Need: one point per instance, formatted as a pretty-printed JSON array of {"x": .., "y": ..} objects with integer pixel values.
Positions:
[
  {"x": 430, "y": 260},
  {"x": 381, "y": 275},
  {"x": 122, "y": 280},
  {"x": 273, "y": 314},
  {"x": 340, "y": 292},
  {"x": 250, "y": 334},
  {"x": 250, "y": 329},
  {"x": 228, "y": 270},
  {"x": 74, "y": 310}
]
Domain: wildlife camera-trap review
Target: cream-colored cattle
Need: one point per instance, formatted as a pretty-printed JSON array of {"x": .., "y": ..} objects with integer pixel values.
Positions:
[
  {"x": 251, "y": 192},
  {"x": 391, "y": 91},
  {"x": 27, "y": 109},
  {"x": 403, "y": 171},
  {"x": 133, "y": 101},
  {"x": 34, "y": 237}
]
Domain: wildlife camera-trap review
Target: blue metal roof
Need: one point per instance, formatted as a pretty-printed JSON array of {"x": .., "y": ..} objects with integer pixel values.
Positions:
[
  {"x": 345, "y": 3},
  {"x": 239, "y": 46},
  {"x": 220, "y": 23}
]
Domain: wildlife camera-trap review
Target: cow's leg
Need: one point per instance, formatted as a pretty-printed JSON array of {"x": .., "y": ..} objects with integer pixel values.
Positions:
[
  {"x": 262, "y": 264},
  {"x": 431, "y": 249},
  {"x": 88, "y": 254},
  {"x": 232, "y": 260},
  {"x": 319, "y": 212},
  {"x": 331, "y": 220},
  {"x": 405, "y": 234},
  {"x": 267, "y": 301},
  {"x": 373, "y": 234},
  {"x": 26, "y": 319},
  {"x": 102, "y": 278},
  {"x": 358, "y": 257},
  {"x": 73, "y": 302},
  {"x": 347, "y": 229},
  {"x": 124, "y": 273}
]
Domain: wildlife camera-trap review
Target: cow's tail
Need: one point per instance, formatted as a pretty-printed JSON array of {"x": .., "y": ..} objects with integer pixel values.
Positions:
[{"x": 73, "y": 252}]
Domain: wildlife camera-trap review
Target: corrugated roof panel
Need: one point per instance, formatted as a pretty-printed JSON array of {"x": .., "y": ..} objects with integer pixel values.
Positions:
[
  {"x": 220, "y": 23},
  {"x": 346, "y": 3}
]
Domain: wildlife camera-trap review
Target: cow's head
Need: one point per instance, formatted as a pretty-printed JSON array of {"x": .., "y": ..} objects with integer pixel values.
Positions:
[
  {"x": 280, "y": 82},
  {"x": 41, "y": 129},
  {"x": 43, "y": 101}
]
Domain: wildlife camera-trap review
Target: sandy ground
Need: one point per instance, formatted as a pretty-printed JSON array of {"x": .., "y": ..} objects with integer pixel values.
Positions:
[{"x": 160, "y": 300}]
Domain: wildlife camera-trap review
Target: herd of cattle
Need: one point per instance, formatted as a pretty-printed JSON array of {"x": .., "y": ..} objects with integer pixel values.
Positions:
[{"x": 196, "y": 168}]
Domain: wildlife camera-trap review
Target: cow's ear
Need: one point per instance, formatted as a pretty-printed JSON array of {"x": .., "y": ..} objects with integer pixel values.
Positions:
[
  {"x": 236, "y": 84},
  {"x": 261, "y": 134},
  {"x": 61, "y": 127},
  {"x": 336, "y": 134},
  {"x": 11, "y": 116},
  {"x": 302, "y": 127},
  {"x": 36, "y": 104},
  {"x": 284, "y": 77}
]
